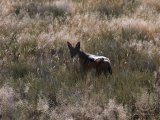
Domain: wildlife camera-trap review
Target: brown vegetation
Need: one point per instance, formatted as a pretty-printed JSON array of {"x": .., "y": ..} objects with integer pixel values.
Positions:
[{"x": 39, "y": 80}]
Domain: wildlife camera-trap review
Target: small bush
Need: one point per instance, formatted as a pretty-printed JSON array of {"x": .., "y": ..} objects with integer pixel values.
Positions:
[
  {"x": 57, "y": 9},
  {"x": 113, "y": 8},
  {"x": 19, "y": 70}
]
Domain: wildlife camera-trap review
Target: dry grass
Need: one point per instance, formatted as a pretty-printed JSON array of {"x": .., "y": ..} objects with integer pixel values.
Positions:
[{"x": 39, "y": 80}]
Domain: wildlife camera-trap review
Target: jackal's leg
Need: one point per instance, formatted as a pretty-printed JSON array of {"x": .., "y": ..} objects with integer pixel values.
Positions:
[
  {"x": 83, "y": 73},
  {"x": 99, "y": 70}
]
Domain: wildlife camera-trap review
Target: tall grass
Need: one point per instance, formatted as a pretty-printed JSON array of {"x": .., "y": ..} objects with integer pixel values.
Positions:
[{"x": 39, "y": 80}]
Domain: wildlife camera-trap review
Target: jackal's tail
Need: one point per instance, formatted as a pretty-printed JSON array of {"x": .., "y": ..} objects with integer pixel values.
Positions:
[{"x": 108, "y": 67}]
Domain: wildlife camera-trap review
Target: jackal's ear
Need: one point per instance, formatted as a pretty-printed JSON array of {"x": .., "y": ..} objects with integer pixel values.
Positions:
[
  {"x": 78, "y": 45},
  {"x": 69, "y": 44}
]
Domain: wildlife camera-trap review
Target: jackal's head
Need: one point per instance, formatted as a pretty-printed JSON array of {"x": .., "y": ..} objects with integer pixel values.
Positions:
[{"x": 73, "y": 50}]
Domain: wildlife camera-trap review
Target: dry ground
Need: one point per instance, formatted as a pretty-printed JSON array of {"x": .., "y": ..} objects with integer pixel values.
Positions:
[{"x": 39, "y": 80}]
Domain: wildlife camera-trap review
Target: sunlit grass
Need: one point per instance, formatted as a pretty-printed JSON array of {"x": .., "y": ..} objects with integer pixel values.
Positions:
[{"x": 39, "y": 79}]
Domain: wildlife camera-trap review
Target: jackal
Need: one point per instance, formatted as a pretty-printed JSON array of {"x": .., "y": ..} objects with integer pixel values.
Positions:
[{"x": 88, "y": 61}]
